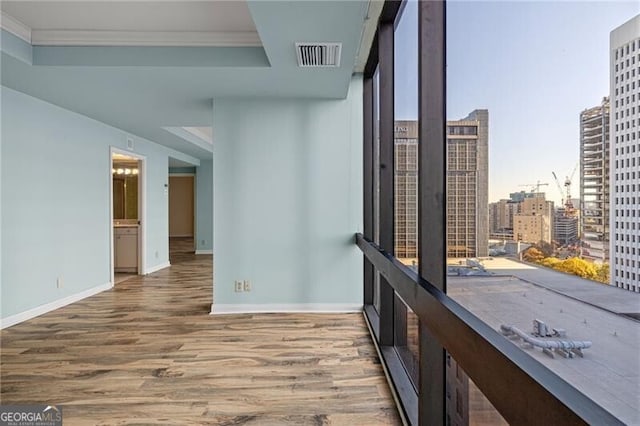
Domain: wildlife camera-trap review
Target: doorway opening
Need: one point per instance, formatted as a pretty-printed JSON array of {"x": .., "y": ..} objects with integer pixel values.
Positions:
[
  {"x": 182, "y": 198},
  {"x": 127, "y": 214}
]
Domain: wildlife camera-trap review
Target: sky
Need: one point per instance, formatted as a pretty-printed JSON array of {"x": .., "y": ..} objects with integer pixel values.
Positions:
[{"x": 534, "y": 65}]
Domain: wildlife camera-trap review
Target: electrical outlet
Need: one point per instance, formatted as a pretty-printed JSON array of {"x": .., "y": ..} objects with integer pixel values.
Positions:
[
  {"x": 59, "y": 282},
  {"x": 238, "y": 286},
  {"x": 202, "y": 242},
  {"x": 157, "y": 255},
  {"x": 246, "y": 284}
]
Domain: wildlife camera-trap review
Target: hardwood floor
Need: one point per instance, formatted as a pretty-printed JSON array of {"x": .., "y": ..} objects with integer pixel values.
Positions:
[{"x": 148, "y": 352}]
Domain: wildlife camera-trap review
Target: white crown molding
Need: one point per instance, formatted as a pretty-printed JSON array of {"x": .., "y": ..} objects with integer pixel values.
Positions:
[
  {"x": 269, "y": 308},
  {"x": 15, "y": 27},
  {"x": 52, "y": 306},
  {"x": 144, "y": 38}
]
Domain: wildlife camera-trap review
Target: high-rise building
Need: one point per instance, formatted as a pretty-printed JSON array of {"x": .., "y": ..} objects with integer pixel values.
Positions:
[
  {"x": 565, "y": 226},
  {"x": 534, "y": 222},
  {"x": 501, "y": 218},
  {"x": 467, "y": 187},
  {"x": 406, "y": 189},
  {"x": 625, "y": 155},
  {"x": 594, "y": 182}
]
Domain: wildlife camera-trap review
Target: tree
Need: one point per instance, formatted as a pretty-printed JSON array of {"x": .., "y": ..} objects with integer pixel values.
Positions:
[
  {"x": 602, "y": 273},
  {"x": 550, "y": 262},
  {"x": 577, "y": 266},
  {"x": 546, "y": 248},
  {"x": 532, "y": 254}
]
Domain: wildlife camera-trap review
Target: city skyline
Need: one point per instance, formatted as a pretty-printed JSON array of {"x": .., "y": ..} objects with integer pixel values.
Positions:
[{"x": 535, "y": 87}]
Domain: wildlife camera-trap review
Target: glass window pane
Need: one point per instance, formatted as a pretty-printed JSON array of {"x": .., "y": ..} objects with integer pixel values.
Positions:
[
  {"x": 406, "y": 175},
  {"x": 466, "y": 404},
  {"x": 406, "y": 341},
  {"x": 406, "y": 132},
  {"x": 376, "y": 180},
  {"x": 539, "y": 163}
]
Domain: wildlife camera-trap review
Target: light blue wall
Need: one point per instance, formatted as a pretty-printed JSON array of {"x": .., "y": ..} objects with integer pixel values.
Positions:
[
  {"x": 55, "y": 173},
  {"x": 16, "y": 47},
  {"x": 1, "y": 222},
  {"x": 204, "y": 205},
  {"x": 287, "y": 199},
  {"x": 182, "y": 170}
]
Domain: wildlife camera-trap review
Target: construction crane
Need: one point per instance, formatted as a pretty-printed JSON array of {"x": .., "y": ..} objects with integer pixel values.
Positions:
[
  {"x": 566, "y": 193},
  {"x": 535, "y": 186},
  {"x": 559, "y": 186},
  {"x": 567, "y": 185}
]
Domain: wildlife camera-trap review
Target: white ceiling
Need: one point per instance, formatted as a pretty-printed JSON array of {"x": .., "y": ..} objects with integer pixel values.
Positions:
[
  {"x": 204, "y": 133},
  {"x": 93, "y": 59},
  {"x": 49, "y": 21}
]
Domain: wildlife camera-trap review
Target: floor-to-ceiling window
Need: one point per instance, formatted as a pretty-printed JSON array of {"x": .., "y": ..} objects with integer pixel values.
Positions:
[
  {"x": 405, "y": 140},
  {"x": 429, "y": 174},
  {"x": 375, "y": 177}
]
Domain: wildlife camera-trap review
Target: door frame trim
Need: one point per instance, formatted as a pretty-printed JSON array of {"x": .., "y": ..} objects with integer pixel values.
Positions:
[{"x": 142, "y": 210}]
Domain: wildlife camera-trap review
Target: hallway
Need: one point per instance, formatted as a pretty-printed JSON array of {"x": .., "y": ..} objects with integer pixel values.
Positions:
[{"x": 148, "y": 351}]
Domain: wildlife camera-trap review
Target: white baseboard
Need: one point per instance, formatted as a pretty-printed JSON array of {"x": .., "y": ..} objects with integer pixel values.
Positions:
[
  {"x": 204, "y": 251},
  {"x": 52, "y": 306},
  {"x": 221, "y": 309},
  {"x": 157, "y": 268}
]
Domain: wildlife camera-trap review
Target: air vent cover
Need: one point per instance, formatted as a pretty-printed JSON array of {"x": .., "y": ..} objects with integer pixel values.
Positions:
[{"x": 318, "y": 54}]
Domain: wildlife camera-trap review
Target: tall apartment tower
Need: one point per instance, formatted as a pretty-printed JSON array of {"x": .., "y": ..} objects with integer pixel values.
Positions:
[
  {"x": 406, "y": 189},
  {"x": 594, "y": 182},
  {"x": 624, "y": 226},
  {"x": 467, "y": 187}
]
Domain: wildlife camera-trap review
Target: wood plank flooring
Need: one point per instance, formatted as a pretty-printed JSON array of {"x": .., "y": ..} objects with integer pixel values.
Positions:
[{"x": 148, "y": 352}]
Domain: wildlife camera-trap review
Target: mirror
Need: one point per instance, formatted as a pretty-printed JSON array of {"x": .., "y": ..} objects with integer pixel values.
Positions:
[{"x": 125, "y": 189}]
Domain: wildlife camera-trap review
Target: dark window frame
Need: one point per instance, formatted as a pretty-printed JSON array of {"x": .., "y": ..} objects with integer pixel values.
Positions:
[{"x": 544, "y": 397}]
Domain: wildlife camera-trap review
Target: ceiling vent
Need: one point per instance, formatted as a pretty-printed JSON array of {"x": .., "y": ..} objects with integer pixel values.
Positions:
[{"x": 318, "y": 54}]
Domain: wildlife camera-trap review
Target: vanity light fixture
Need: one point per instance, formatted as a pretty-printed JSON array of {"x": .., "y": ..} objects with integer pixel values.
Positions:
[{"x": 124, "y": 171}]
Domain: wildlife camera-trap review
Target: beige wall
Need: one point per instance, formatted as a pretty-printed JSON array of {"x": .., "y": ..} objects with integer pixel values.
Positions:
[
  {"x": 537, "y": 206},
  {"x": 501, "y": 213},
  {"x": 534, "y": 223},
  {"x": 530, "y": 228},
  {"x": 181, "y": 214}
]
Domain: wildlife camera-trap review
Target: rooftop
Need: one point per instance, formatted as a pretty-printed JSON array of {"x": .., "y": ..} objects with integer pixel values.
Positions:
[
  {"x": 610, "y": 298},
  {"x": 609, "y": 371}
]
